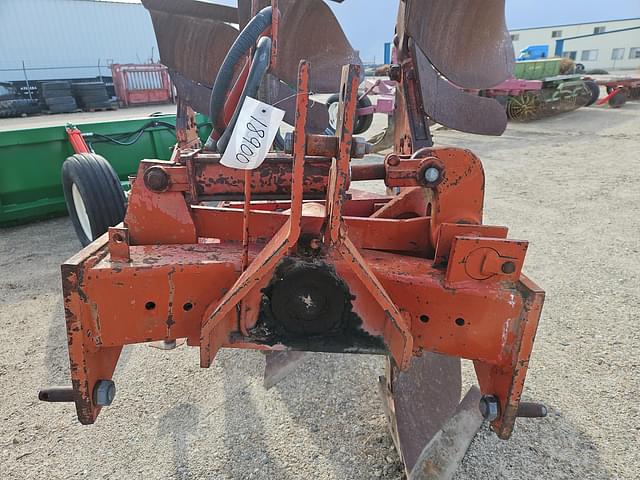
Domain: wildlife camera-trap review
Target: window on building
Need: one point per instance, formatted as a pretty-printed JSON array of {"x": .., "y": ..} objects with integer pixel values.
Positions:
[
  {"x": 634, "y": 53},
  {"x": 515, "y": 37},
  {"x": 617, "y": 54},
  {"x": 589, "y": 55},
  {"x": 572, "y": 55},
  {"x": 599, "y": 30},
  {"x": 556, "y": 34}
]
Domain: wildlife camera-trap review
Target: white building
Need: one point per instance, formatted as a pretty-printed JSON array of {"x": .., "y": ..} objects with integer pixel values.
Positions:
[
  {"x": 59, "y": 39},
  {"x": 613, "y": 44}
]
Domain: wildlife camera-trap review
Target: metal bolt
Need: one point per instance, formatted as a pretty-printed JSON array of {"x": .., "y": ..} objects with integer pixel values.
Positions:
[
  {"x": 508, "y": 267},
  {"x": 431, "y": 175},
  {"x": 360, "y": 147},
  {"x": 103, "y": 393},
  {"x": 156, "y": 179},
  {"x": 489, "y": 407}
]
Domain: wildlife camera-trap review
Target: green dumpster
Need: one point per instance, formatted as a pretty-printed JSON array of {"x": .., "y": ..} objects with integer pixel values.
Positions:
[{"x": 31, "y": 160}]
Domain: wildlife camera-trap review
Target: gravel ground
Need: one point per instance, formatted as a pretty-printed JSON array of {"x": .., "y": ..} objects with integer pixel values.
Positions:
[{"x": 568, "y": 184}]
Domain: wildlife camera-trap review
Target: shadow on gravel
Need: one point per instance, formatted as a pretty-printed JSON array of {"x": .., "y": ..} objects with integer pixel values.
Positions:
[
  {"x": 245, "y": 436},
  {"x": 335, "y": 398},
  {"x": 180, "y": 422},
  {"x": 539, "y": 449}
]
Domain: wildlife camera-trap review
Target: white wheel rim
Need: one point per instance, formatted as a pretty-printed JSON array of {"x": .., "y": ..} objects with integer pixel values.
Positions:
[
  {"x": 333, "y": 115},
  {"x": 81, "y": 211}
]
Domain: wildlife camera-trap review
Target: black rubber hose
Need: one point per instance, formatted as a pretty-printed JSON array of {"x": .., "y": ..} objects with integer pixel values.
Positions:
[
  {"x": 259, "y": 67},
  {"x": 240, "y": 47}
]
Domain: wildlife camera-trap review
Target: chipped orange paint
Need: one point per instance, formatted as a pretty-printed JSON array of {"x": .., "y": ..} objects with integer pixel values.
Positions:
[{"x": 423, "y": 272}]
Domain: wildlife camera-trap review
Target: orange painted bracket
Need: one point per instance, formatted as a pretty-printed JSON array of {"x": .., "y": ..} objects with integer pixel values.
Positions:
[
  {"x": 448, "y": 231},
  {"x": 483, "y": 259},
  {"x": 397, "y": 333},
  {"x": 507, "y": 382}
]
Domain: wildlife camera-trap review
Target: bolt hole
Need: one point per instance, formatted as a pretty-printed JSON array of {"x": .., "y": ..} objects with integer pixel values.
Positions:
[
  {"x": 150, "y": 305},
  {"x": 187, "y": 306},
  {"x": 424, "y": 318},
  {"x": 508, "y": 268},
  {"x": 460, "y": 321},
  {"x": 118, "y": 238}
]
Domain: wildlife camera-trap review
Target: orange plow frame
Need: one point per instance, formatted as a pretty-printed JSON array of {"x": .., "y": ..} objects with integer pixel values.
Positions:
[{"x": 421, "y": 271}]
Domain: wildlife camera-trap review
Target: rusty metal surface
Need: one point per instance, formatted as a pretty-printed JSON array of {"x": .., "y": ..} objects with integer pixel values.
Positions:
[
  {"x": 308, "y": 30},
  {"x": 441, "y": 458},
  {"x": 311, "y": 31},
  {"x": 450, "y": 106},
  {"x": 410, "y": 285},
  {"x": 284, "y": 97},
  {"x": 422, "y": 399},
  {"x": 466, "y": 40},
  {"x": 193, "y": 40}
]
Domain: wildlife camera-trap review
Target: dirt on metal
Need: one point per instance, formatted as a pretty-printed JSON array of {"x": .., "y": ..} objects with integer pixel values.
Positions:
[{"x": 326, "y": 421}]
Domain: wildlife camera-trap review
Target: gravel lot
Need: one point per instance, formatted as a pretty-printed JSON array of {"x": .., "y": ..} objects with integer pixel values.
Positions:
[{"x": 569, "y": 185}]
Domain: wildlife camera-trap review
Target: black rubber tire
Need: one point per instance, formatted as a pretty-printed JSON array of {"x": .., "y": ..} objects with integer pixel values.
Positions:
[
  {"x": 91, "y": 99},
  {"x": 18, "y": 107},
  {"x": 58, "y": 92},
  {"x": 99, "y": 105},
  {"x": 63, "y": 108},
  {"x": 60, "y": 85},
  {"x": 100, "y": 190},
  {"x": 594, "y": 88},
  {"x": 579, "y": 68},
  {"x": 363, "y": 123},
  {"x": 618, "y": 100},
  {"x": 53, "y": 101},
  {"x": 89, "y": 86},
  {"x": 57, "y": 84}
]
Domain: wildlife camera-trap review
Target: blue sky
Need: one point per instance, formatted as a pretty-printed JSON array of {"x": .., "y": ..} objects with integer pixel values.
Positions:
[{"x": 368, "y": 28}]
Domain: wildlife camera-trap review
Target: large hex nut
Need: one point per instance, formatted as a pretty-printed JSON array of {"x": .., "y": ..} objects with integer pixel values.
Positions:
[
  {"x": 489, "y": 407},
  {"x": 103, "y": 393}
]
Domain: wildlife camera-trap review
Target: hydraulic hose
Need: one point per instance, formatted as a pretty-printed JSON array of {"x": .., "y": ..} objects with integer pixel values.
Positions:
[
  {"x": 259, "y": 67},
  {"x": 240, "y": 47}
]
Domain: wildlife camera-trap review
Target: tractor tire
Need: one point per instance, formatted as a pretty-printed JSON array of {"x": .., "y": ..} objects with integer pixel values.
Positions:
[
  {"x": 618, "y": 100},
  {"x": 93, "y": 194},
  {"x": 594, "y": 88},
  {"x": 18, "y": 107},
  {"x": 363, "y": 123},
  {"x": 93, "y": 98},
  {"x": 53, "y": 101},
  {"x": 56, "y": 92},
  {"x": 52, "y": 86}
]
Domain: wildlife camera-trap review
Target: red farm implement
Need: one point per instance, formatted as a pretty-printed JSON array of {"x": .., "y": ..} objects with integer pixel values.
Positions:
[{"x": 290, "y": 256}]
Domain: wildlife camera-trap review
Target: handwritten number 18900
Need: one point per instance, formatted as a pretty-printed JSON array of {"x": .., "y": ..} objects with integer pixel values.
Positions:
[{"x": 251, "y": 145}]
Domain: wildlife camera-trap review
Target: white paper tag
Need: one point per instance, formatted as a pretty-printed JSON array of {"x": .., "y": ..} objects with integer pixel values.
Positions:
[{"x": 253, "y": 135}]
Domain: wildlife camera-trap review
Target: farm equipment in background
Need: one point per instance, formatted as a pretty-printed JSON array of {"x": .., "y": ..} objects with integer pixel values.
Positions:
[
  {"x": 294, "y": 258},
  {"x": 539, "y": 90},
  {"x": 619, "y": 90}
]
